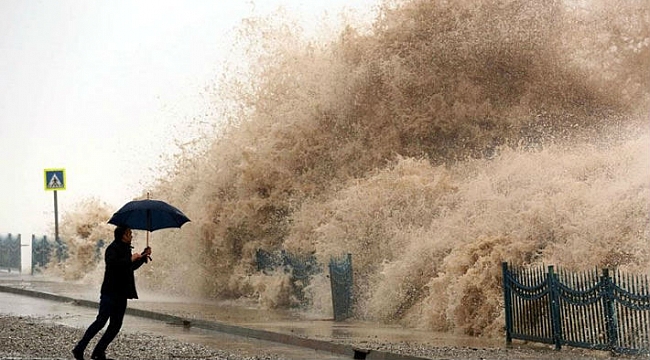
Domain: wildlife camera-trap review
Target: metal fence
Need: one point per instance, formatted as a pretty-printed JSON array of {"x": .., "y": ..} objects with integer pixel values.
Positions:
[
  {"x": 341, "y": 281},
  {"x": 303, "y": 268},
  {"x": 589, "y": 310},
  {"x": 10, "y": 252},
  {"x": 45, "y": 250},
  {"x": 41, "y": 250}
]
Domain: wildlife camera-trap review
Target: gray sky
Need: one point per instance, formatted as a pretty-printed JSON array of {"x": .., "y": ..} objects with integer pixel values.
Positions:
[{"x": 103, "y": 89}]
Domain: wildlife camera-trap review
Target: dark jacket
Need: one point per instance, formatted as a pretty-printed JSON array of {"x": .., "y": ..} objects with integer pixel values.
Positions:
[{"x": 118, "y": 276}]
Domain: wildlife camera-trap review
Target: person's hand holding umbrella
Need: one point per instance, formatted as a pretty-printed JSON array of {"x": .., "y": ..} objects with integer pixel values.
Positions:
[{"x": 146, "y": 252}]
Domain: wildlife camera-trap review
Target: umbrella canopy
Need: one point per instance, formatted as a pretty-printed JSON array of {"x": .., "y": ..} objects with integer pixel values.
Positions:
[{"x": 148, "y": 215}]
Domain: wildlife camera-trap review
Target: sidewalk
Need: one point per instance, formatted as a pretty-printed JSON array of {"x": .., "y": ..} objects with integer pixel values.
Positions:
[{"x": 282, "y": 326}]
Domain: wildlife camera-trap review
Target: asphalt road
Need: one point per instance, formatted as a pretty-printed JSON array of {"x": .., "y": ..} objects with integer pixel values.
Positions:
[{"x": 81, "y": 316}]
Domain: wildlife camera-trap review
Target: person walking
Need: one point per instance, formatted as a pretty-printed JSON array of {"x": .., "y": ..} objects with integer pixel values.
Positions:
[{"x": 117, "y": 287}]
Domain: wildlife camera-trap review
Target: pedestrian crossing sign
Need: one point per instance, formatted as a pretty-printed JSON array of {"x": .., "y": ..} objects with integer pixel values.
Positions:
[{"x": 55, "y": 179}]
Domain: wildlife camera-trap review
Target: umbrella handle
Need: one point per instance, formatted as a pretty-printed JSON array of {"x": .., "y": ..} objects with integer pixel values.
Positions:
[
  {"x": 148, "y": 256},
  {"x": 148, "y": 246}
]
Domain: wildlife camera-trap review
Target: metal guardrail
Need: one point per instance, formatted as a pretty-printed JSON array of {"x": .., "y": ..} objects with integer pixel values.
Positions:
[
  {"x": 303, "y": 268},
  {"x": 41, "y": 250},
  {"x": 587, "y": 310},
  {"x": 342, "y": 285},
  {"x": 45, "y": 250},
  {"x": 10, "y": 258}
]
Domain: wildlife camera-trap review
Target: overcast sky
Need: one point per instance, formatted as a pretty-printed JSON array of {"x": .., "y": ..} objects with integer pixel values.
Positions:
[{"x": 103, "y": 88}]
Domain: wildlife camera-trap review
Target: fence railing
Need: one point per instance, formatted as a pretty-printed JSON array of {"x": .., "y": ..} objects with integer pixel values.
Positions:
[
  {"x": 303, "y": 268},
  {"x": 45, "y": 250},
  {"x": 10, "y": 252},
  {"x": 587, "y": 310},
  {"x": 341, "y": 282}
]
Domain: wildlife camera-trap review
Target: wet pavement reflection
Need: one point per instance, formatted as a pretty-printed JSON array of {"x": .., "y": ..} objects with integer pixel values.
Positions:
[
  {"x": 80, "y": 317},
  {"x": 236, "y": 313}
]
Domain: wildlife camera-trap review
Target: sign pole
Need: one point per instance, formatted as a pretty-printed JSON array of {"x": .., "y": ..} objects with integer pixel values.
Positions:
[
  {"x": 56, "y": 218},
  {"x": 55, "y": 180}
]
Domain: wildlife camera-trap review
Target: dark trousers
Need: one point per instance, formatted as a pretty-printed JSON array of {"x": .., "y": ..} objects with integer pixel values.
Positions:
[{"x": 109, "y": 308}]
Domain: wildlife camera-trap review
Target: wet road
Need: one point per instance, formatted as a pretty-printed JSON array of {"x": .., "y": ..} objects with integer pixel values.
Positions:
[
  {"x": 80, "y": 317},
  {"x": 232, "y": 325},
  {"x": 313, "y": 326}
]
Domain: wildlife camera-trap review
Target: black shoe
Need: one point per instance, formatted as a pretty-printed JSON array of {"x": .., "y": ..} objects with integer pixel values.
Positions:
[{"x": 78, "y": 354}]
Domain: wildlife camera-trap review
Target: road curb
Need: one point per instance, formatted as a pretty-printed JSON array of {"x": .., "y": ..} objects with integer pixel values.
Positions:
[{"x": 322, "y": 345}]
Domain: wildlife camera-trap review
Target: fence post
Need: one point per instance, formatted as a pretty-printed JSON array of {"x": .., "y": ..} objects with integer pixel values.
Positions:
[
  {"x": 610, "y": 310},
  {"x": 507, "y": 302},
  {"x": 4, "y": 250},
  {"x": 19, "y": 258},
  {"x": 342, "y": 284},
  {"x": 555, "y": 308}
]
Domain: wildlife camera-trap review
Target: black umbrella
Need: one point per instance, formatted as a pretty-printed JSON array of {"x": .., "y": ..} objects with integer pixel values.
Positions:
[{"x": 148, "y": 215}]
